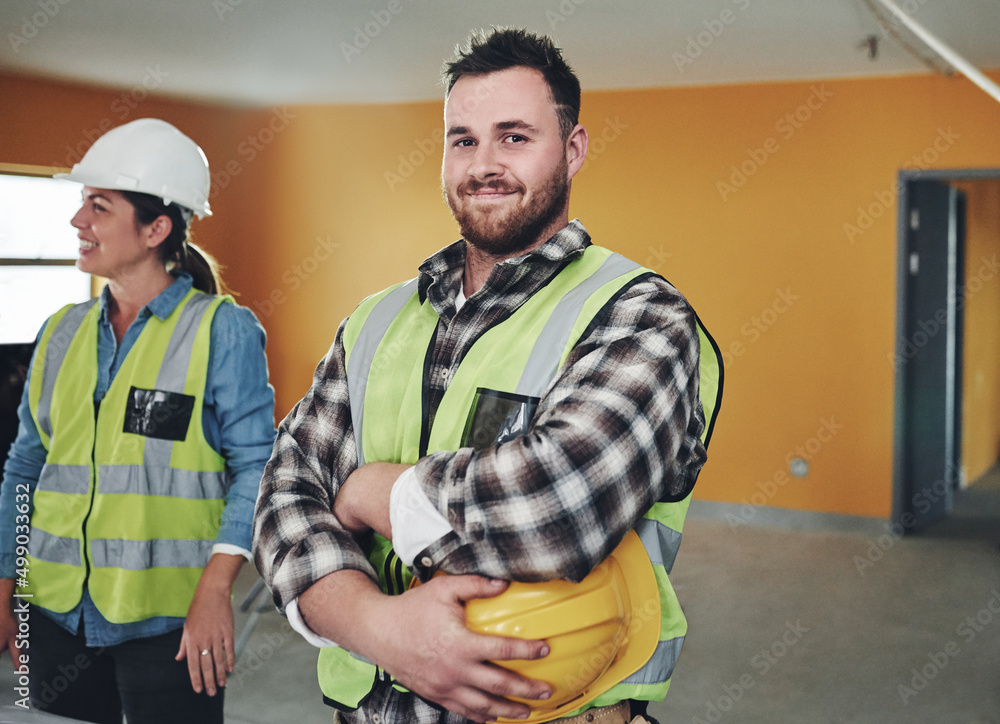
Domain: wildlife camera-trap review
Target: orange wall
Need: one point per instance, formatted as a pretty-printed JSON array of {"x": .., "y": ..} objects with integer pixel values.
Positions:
[
  {"x": 338, "y": 229},
  {"x": 771, "y": 206},
  {"x": 981, "y": 358},
  {"x": 792, "y": 229}
]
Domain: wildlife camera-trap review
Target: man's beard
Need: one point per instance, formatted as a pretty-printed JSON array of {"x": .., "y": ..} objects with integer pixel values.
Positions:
[{"x": 504, "y": 232}]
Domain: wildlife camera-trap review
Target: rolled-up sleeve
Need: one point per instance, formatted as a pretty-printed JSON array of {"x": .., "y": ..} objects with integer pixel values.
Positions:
[{"x": 297, "y": 538}]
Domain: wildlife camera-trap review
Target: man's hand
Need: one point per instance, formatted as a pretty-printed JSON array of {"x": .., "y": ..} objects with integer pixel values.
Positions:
[
  {"x": 209, "y": 626},
  {"x": 362, "y": 503},
  {"x": 436, "y": 656},
  {"x": 420, "y": 638}
]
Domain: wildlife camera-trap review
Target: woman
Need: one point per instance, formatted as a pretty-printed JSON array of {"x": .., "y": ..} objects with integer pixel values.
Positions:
[{"x": 144, "y": 429}]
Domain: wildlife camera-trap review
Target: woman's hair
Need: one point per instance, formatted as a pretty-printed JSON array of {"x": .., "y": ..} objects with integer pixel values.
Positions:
[
  {"x": 489, "y": 51},
  {"x": 178, "y": 251}
]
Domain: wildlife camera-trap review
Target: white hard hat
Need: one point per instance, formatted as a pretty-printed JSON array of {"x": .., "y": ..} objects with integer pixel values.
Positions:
[{"x": 149, "y": 156}]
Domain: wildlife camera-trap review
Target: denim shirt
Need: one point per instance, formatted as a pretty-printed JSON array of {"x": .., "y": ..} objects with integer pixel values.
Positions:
[{"x": 238, "y": 421}]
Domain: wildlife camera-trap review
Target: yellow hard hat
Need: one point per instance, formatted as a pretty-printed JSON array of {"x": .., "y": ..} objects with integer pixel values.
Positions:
[{"x": 599, "y": 631}]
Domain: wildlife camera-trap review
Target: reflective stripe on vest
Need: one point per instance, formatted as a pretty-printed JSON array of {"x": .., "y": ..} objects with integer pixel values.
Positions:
[
  {"x": 59, "y": 332},
  {"x": 54, "y": 549},
  {"x": 544, "y": 336},
  {"x": 551, "y": 347},
  {"x": 137, "y": 555},
  {"x": 360, "y": 362},
  {"x": 139, "y": 532}
]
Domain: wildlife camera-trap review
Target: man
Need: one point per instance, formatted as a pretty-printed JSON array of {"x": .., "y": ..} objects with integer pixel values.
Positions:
[{"x": 460, "y": 424}]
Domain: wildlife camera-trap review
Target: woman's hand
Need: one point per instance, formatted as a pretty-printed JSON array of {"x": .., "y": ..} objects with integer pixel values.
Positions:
[
  {"x": 8, "y": 623},
  {"x": 208, "y": 641}
]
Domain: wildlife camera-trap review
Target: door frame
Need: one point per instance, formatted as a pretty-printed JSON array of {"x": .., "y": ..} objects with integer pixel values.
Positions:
[{"x": 900, "y": 489}]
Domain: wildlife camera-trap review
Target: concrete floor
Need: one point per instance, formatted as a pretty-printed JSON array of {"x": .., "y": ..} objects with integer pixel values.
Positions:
[{"x": 815, "y": 620}]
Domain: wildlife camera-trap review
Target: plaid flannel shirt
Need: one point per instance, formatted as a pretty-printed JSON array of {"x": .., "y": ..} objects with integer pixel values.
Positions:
[{"x": 617, "y": 430}]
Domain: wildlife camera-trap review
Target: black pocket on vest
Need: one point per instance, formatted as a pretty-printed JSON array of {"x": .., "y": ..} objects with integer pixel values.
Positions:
[
  {"x": 497, "y": 417},
  {"x": 158, "y": 413}
]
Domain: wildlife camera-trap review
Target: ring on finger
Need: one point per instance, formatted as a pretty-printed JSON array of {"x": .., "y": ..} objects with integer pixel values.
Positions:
[{"x": 206, "y": 652}]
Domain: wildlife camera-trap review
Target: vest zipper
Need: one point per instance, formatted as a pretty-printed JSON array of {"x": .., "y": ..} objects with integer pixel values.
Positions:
[
  {"x": 93, "y": 495},
  {"x": 390, "y": 582},
  {"x": 397, "y": 571}
]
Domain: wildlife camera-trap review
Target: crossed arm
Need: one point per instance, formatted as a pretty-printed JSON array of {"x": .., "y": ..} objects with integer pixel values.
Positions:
[
  {"x": 616, "y": 432},
  {"x": 429, "y": 650}
]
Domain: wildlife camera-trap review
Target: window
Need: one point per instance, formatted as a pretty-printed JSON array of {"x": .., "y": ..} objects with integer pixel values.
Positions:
[{"x": 38, "y": 250}]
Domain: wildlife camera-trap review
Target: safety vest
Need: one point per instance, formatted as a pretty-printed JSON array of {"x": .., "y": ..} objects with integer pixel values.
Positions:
[
  {"x": 130, "y": 500},
  {"x": 505, "y": 373}
]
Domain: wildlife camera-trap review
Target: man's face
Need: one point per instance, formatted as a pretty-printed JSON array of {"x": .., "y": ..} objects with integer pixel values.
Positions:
[{"x": 505, "y": 173}]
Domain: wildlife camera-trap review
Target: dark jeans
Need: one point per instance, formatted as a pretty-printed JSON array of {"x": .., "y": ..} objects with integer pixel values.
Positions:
[{"x": 138, "y": 678}]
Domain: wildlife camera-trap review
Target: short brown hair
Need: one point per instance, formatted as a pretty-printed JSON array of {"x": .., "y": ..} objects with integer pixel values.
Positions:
[{"x": 502, "y": 48}]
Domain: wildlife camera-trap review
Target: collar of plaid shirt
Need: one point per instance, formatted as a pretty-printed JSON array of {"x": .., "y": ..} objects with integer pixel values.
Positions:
[{"x": 441, "y": 274}]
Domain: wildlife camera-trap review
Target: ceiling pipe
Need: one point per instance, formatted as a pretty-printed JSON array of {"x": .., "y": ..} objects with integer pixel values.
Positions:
[{"x": 970, "y": 71}]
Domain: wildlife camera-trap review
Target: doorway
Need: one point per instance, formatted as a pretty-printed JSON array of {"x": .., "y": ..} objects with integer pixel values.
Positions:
[{"x": 946, "y": 387}]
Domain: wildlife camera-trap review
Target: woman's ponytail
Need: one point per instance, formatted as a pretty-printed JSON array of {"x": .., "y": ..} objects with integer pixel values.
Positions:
[
  {"x": 202, "y": 266},
  {"x": 178, "y": 251}
]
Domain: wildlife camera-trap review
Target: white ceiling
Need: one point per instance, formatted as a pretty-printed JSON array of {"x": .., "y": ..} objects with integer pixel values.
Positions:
[{"x": 265, "y": 52}]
